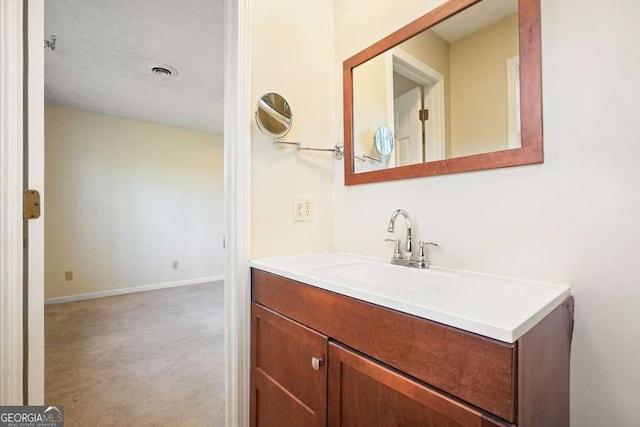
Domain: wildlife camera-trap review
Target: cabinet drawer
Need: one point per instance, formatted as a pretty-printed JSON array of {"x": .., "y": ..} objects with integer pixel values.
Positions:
[
  {"x": 365, "y": 393},
  {"x": 476, "y": 369},
  {"x": 286, "y": 389}
]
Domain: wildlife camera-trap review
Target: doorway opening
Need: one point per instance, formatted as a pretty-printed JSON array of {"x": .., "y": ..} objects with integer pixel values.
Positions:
[{"x": 135, "y": 208}]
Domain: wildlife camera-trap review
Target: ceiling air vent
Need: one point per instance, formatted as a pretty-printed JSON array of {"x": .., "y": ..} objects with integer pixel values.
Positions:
[{"x": 163, "y": 70}]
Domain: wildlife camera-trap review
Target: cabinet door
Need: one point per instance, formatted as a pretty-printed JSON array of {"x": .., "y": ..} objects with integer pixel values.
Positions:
[
  {"x": 288, "y": 372},
  {"x": 363, "y": 393}
]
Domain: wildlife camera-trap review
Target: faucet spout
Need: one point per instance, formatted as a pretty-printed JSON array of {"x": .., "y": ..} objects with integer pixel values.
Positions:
[{"x": 407, "y": 221}]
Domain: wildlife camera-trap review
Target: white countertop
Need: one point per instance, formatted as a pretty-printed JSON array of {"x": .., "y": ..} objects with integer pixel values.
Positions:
[{"x": 497, "y": 307}]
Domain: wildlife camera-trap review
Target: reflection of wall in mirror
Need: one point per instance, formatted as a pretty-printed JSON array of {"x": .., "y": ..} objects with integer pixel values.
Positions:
[
  {"x": 402, "y": 84},
  {"x": 271, "y": 123},
  {"x": 370, "y": 104},
  {"x": 479, "y": 117}
]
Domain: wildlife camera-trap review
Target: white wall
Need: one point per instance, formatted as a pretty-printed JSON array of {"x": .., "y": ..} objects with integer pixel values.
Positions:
[
  {"x": 125, "y": 198},
  {"x": 573, "y": 219},
  {"x": 292, "y": 53}
]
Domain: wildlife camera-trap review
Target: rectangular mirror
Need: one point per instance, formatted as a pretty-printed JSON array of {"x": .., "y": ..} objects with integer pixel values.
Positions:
[{"x": 459, "y": 88}]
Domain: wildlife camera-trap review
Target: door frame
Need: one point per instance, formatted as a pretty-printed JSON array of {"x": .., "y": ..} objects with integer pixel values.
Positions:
[
  {"x": 237, "y": 143},
  {"x": 412, "y": 68},
  {"x": 11, "y": 233},
  {"x": 34, "y": 163},
  {"x": 237, "y": 151}
]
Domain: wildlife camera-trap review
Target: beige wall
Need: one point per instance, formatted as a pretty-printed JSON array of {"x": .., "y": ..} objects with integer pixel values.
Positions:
[
  {"x": 431, "y": 49},
  {"x": 573, "y": 219},
  {"x": 291, "y": 54},
  {"x": 479, "y": 88},
  {"x": 127, "y": 198},
  {"x": 402, "y": 84},
  {"x": 371, "y": 101}
]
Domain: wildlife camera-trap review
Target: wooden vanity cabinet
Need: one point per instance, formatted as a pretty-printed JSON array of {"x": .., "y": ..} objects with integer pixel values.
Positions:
[
  {"x": 363, "y": 392},
  {"x": 381, "y": 367},
  {"x": 286, "y": 390}
]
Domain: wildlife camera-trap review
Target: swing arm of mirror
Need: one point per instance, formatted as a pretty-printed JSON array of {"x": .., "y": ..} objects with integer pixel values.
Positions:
[
  {"x": 274, "y": 118},
  {"x": 531, "y": 140}
]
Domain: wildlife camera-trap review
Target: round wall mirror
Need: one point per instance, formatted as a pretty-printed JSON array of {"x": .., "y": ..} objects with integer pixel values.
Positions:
[
  {"x": 273, "y": 115},
  {"x": 383, "y": 142}
]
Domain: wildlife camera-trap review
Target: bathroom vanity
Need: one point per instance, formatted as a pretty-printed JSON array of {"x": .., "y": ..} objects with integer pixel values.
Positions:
[{"x": 342, "y": 340}]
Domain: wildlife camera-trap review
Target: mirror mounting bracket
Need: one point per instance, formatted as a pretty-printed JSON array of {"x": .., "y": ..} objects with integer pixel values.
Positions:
[
  {"x": 274, "y": 118},
  {"x": 365, "y": 157},
  {"x": 338, "y": 150}
]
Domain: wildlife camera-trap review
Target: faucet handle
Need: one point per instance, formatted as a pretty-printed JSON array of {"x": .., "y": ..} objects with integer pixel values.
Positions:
[
  {"x": 396, "y": 250},
  {"x": 422, "y": 244}
]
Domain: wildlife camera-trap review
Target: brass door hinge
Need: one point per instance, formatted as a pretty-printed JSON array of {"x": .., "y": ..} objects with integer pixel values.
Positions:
[
  {"x": 31, "y": 204},
  {"x": 423, "y": 115}
]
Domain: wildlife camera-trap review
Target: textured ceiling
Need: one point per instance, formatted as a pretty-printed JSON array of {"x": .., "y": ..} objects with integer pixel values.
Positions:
[{"x": 105, "y": 48}]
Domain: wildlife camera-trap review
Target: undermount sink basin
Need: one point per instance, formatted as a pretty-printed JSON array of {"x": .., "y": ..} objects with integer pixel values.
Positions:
[{"x": 498, "y": 307}]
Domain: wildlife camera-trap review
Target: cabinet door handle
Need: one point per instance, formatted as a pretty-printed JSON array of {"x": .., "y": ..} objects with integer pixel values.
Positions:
[{"x": 316, "y": 363}]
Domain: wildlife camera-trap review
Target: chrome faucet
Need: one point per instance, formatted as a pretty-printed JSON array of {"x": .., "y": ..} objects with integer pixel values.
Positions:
[
  {"x": 392, "y": 227},
  {"x": 407, "y": 259}
]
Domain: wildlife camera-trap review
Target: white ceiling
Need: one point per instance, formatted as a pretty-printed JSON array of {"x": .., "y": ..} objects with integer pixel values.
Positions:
[
  {"x": 478, "y": 16},
  {"x": 105, "y": 47}
]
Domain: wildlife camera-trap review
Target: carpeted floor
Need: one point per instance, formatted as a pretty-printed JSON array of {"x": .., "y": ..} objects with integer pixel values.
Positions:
[{"x": 147, "y": 359}]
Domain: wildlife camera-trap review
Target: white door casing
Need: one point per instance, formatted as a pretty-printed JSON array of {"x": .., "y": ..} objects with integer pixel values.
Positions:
[
  {"x": 11, "y": 234},
  {"x": 35, "y": 180},
  {"x": 237, "y": 206},
  {"x": 237, "y": 170},
  {"x": 433, "y": 83},
  {"x": 28, "y": 305}
]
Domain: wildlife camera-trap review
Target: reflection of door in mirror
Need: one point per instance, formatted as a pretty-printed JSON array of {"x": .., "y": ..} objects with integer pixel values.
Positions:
[
  {"x": 427, "y": 114},
  {"x": 467, "y": 68},
  {"x": 382, "y": 86},
  {"x": 409, "y": 134}
]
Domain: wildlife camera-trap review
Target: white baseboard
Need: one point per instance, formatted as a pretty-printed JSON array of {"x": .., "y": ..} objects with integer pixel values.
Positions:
[{"x": 134, "y": 289}]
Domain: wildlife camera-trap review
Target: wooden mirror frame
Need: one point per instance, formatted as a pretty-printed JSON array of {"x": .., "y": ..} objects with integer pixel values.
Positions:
[{"x": 531, "y": 150}]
